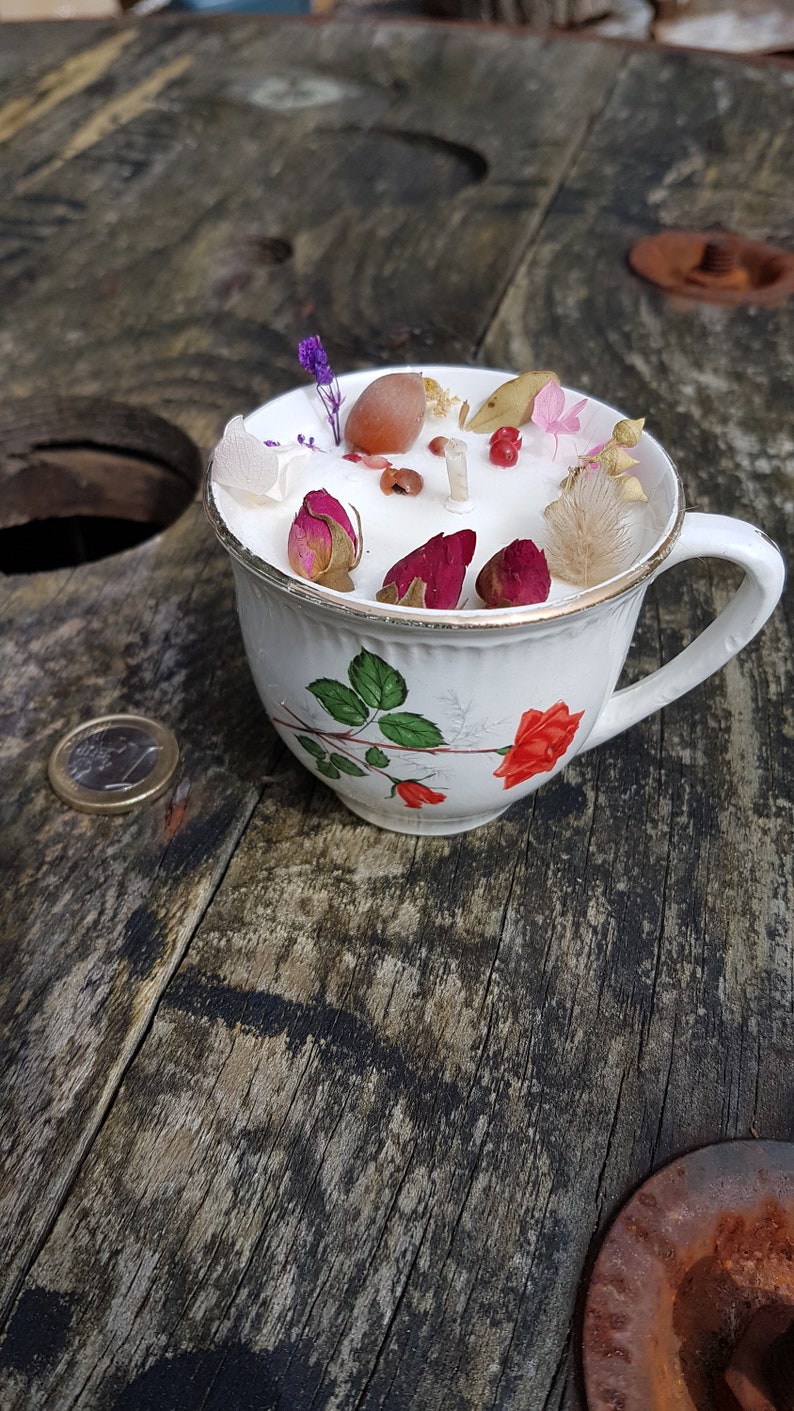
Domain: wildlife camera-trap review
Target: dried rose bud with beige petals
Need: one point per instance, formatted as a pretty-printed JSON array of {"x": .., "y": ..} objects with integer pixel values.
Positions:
[{"x": 323, "y": 546}]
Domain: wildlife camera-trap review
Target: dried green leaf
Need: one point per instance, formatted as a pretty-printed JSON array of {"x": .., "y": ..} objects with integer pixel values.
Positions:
[{"x": 512, "y": 403}]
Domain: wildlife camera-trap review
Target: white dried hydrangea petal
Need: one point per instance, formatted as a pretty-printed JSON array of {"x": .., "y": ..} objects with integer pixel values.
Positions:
[{"x": 241, "y": 462}]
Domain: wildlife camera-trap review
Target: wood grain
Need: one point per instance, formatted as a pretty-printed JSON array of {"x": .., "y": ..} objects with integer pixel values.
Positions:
[{"x": 300, "y": 1113}]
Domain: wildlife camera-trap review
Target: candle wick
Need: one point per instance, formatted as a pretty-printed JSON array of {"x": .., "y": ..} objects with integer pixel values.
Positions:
[{"x": 458, "y": 473}]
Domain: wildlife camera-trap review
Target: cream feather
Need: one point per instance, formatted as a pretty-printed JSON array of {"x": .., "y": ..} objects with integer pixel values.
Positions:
[{"x": 587, "y": 539}]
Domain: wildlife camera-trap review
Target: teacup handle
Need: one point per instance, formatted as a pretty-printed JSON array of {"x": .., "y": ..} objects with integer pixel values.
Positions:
[{"x": 704, "y": 536}]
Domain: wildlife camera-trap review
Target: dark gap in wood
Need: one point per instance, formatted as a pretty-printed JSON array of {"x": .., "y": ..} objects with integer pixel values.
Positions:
[
  {"x": 89, "y": 482},
  {"x": 81, "y": 480},
  {"x": 47, "y": 544}
]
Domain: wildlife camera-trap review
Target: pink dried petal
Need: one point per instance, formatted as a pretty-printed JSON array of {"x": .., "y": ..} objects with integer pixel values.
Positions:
[
  {"x": 548, "y": 404},
  {"x": 549, "y": 411}
]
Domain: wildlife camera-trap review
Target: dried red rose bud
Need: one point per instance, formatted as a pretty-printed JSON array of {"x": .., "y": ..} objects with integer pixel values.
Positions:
[
  {"x": 401, "y": 481},
  {"x": 323, "y": 545},
  {"x": 515, "y": 577},
  {"x": 432, "y": 575}
]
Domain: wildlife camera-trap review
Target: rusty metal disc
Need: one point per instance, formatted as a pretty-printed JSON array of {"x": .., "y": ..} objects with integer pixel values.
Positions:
[
  {"x": 715, "y": 266},
  {"x": 691, "y": 1258}
]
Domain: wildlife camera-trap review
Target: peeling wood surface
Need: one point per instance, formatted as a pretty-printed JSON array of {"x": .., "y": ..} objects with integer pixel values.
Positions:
[{"x": 296, "y": 1112}]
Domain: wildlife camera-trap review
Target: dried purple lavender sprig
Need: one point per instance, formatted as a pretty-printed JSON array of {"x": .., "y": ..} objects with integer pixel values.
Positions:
[{"x": 314, "y": 359}]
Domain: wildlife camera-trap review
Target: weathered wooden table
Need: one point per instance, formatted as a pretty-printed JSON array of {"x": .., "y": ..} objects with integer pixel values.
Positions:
[{"x": 297, "y": 1113}]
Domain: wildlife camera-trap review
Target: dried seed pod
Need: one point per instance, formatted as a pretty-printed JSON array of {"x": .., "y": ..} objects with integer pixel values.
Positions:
[
  {"x": 388, "y": 416},
  {"x": 628, "y": 431},
  {"x": 399, "y": 480}
]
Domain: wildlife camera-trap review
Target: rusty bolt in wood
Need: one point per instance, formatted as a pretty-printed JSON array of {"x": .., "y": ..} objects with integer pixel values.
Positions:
[{"x": 714, "y": 266}]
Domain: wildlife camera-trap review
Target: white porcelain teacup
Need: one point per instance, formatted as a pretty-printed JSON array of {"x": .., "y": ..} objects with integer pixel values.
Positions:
[{"x": 431, "y": 722}]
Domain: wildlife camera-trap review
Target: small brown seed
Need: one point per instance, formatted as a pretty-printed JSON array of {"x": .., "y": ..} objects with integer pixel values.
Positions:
[{"x": 401, "y": 481}]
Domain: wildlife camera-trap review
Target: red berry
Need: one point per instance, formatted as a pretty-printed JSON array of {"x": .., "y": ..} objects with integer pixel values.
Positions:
[
  {"x": 507, "y": 433},
  {"x": 438, "y": 445},
  {"x": 503, "y": 453}
]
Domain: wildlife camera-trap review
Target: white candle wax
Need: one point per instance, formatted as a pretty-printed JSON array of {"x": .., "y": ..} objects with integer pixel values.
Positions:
[{"x": 507, "y": 503}]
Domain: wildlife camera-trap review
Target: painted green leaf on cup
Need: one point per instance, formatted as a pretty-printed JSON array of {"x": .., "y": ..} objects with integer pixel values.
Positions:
[
  {"x": 347, "y": 766},
  {"x": 412, "y": 731},
  {"x": 326, "y": 768},
  {"x": 340, "y": 702},
  {"x": 376, "y": 682},
  {"x": 376, "y": 758},
  {"x": 311, "y": 746}
]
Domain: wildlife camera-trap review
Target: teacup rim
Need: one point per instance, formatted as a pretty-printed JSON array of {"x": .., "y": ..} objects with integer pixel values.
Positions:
[{"x": 361, "y": 609}]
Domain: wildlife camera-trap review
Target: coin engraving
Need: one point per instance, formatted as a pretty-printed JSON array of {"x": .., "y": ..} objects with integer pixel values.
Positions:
[{"x": 113, "y": 759}]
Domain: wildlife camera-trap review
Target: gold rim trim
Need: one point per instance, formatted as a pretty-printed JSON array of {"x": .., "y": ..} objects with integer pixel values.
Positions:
[
  {"x": 122, "y": 800},
  {"x": 490, "y": 620}
]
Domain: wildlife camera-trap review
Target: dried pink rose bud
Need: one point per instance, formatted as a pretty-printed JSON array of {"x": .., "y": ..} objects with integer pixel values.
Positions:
[
  {"x": 515, "y": 577},
  {"x": 432, "y": 575},
  {"x": 323, "y": 546}
]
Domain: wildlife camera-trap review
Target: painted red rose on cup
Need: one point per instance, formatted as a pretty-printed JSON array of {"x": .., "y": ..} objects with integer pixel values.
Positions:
[
  {"x": 414, "y": 794},
  {"x": 542, "y": 737}
]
